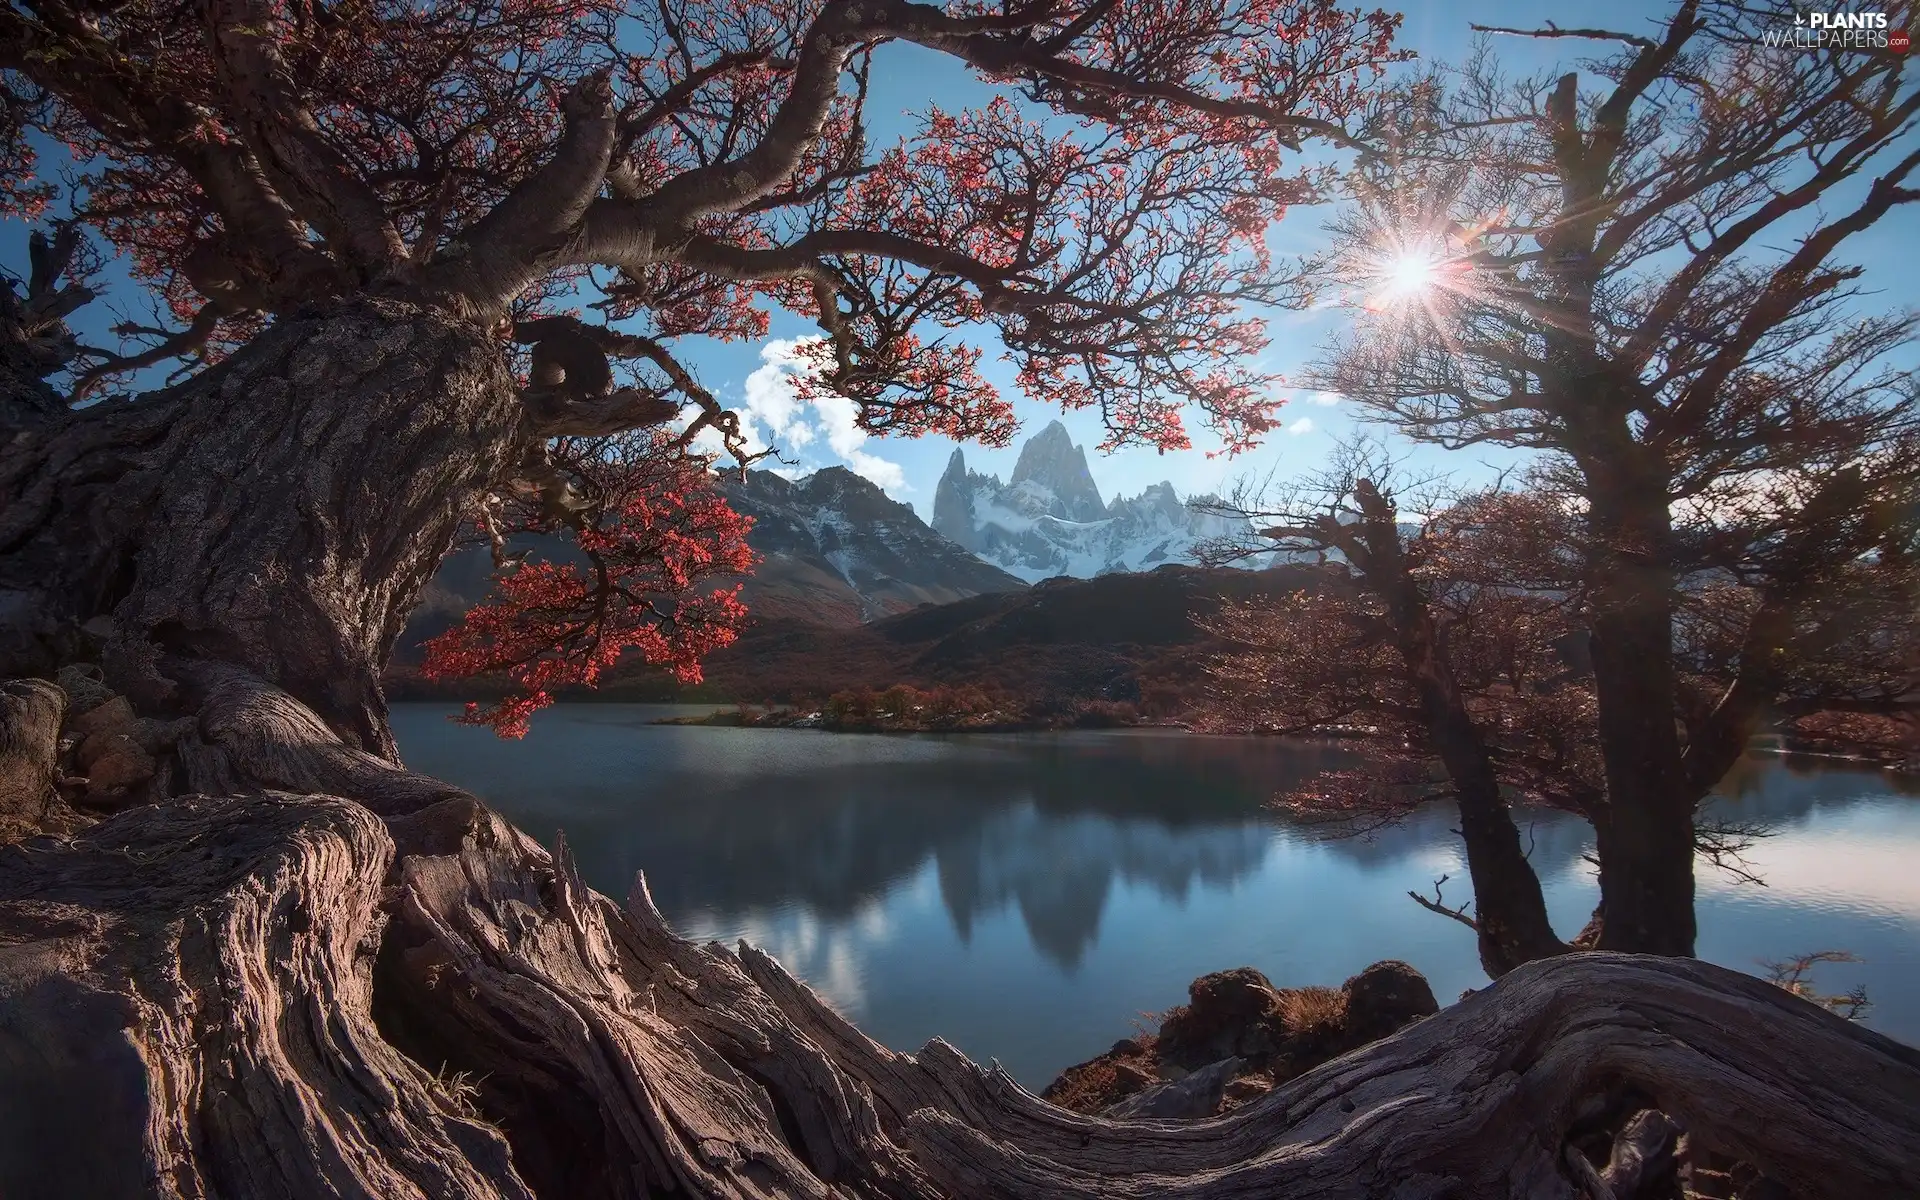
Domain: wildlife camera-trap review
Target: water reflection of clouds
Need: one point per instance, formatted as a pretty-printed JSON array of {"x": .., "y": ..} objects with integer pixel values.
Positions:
[
  {"x": 829, "y": 953},
  {"x": 1832, "y": 868}
]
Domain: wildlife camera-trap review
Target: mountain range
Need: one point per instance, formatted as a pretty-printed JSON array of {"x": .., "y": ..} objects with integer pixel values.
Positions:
[
  {"x": 834, "y": 551},
  {"x": 1049, "y": 519},
  {"x": 853, "y": 588}
]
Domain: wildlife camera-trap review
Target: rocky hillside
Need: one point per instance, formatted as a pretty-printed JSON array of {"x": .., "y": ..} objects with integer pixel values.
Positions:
[
  {"x": 1129, "y": 638},
  {"x": 836, "y": 551},
  {"x": 1049, "y": 519}
]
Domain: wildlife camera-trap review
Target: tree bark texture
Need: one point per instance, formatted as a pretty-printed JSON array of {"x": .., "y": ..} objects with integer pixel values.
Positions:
[
  {"x": 290, "y": 995},
  {"x": 1646, "y": 835},
  {"x": 280, "y": 512},
  {"x": 31, "y": 711}
]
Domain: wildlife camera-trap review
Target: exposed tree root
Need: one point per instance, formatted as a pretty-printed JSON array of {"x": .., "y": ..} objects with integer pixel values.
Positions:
[
  {"x": 185, "y": 1010},
  {"x": 188, "y": 997}
]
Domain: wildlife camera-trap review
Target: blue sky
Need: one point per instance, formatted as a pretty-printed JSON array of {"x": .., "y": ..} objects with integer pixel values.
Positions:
[{"x": 908, "y": 79}]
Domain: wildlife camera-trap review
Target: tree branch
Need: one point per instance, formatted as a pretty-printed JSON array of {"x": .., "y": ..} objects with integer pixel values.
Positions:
[
  {"x": 505, "y": 248},
  {"x": 1554, "y": 31},
  {"x": 1438, "y": 905},
  {"x": 194, "y": 337},
  {"x": 317, "y": 180}
]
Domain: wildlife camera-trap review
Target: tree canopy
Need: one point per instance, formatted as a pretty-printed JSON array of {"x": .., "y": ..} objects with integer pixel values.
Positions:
[
  {"x": 1635, "y": 272},
  {"x": 600, "y": 181},
  {"x": 1105, "y": 215}
]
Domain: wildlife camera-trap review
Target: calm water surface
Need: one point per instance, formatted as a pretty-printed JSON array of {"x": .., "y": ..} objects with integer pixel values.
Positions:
[{"x": 1030, "y": 897}]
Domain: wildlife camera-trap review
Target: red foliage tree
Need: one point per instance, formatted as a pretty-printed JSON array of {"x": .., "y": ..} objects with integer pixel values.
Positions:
[
  {"x": 662, "y": 528},
  {"x": 473, "y": 175}
]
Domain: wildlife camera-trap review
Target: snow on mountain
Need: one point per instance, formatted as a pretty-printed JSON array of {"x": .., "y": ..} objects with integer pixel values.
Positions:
[
  {"x": 835, "y": 550},
  {"x": 1049, "y": 519}
]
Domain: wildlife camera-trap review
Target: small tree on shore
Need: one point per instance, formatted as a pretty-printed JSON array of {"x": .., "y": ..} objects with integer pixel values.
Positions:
[{"x": 1639, "y": 284}]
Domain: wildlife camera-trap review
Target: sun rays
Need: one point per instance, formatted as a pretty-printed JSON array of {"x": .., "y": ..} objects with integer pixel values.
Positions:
[
  {"x": 1409, "y": 275},
  {"x": 1412, "y": 271}
]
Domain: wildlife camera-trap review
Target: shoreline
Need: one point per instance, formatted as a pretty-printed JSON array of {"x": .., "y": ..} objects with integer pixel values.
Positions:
[{"x": 783, "y": 718}]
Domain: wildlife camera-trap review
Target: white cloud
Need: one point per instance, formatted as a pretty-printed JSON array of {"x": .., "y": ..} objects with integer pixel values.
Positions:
[
  {"x": 771, "y": 398},
  {"x": 1303, "y": 425},
  {"x": 1327, "y": 399},
  {"x": 837, "y": 416},
  {"x": 772, "y": 404}
]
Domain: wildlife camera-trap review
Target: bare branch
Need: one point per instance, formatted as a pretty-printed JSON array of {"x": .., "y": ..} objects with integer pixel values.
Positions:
[
  {"x": 319, "y": 181},
  {"x": 1550, "y": 30},
  {"x": 1438, "y": 905}
]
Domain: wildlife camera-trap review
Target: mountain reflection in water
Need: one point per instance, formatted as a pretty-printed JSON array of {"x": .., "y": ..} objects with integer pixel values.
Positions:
[{"x": 1026, "y": 896}]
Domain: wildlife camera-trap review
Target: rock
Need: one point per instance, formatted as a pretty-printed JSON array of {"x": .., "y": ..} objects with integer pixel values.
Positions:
[
  {"x": 1273, "y": 1033},
  {"x": 95, "y": 747},
  {"x": 1385, "y": 998},
  {"x": 114, "y": 760},
  {"x": 156, "y": 737},
  {"x": 1245, "y": 1089},
  {"x": 1230, "y": 1014},
  {"x": 1128, "y": 1068},
  {"x": 30, "y": 712},
  {"x": 112, "y": 716},
  {"x": 1129, "y": 1077},
  {"x": 1197, "y": 1095}
]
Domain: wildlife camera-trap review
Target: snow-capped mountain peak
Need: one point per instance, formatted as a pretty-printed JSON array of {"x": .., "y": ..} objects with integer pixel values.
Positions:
[
  {"x": 1049, "y": 520},
  {"x": 1052, "y": 473},
  {"x": 834, "y": 549}
]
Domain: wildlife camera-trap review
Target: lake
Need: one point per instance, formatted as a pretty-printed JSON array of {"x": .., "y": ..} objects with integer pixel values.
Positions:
[{"x": 1030, "y": 897}]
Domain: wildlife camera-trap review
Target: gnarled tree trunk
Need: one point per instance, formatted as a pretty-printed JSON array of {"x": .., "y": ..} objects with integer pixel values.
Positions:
[{"x": 280, "y": 512}]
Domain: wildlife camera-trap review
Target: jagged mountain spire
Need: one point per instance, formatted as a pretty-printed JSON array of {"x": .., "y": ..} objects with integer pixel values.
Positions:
[
  {"x": 1051, "y": 460},
  {"x": 1049, "y": 520},
  {"x": 953, "y": 514}
]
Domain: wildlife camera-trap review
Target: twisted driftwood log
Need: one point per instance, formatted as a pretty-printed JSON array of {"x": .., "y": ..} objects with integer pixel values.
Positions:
[{"x": 281, "y": 994}]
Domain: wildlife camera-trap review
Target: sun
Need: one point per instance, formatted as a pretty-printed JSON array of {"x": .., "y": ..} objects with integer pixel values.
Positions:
[{"x": 1409, "y": 275}]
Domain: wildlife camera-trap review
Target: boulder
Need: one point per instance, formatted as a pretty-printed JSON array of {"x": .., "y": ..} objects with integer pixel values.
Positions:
[
  {"x": 1195, "y": 1095},
  {"x": 1385, "y": 998},
  {"x": 1268, "y": 1034},
  {"x": 113, "y": 761},
  {"x": 112, "y": 716},
  {"x": 1245, "y": 1090},
  {"x": 1229, "y": 1014}
]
